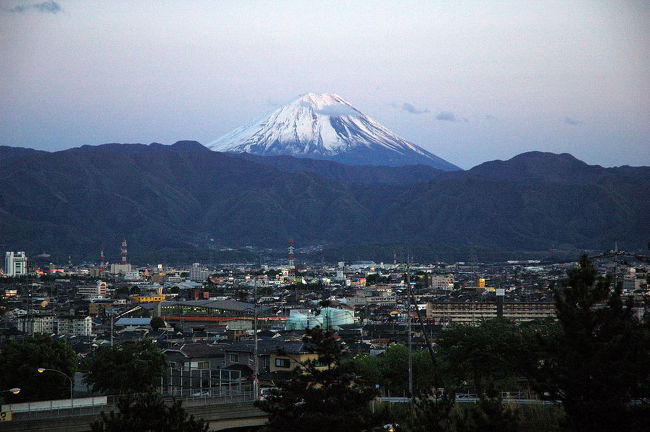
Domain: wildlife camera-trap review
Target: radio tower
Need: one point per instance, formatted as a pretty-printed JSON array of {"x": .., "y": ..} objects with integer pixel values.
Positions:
[
  {"x": 124, "y": 253},
  {"x": 292, "y": 261}
]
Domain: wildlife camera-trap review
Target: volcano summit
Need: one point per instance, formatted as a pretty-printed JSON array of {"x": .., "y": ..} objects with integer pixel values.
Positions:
[{"x": 326, "y": 126}]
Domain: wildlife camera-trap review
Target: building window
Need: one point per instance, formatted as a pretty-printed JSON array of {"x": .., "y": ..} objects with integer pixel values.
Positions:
[
  {"x": 282, "y": 363},
  {"x": 203, "y": 365},
  {"x": 233, "y": 358}
]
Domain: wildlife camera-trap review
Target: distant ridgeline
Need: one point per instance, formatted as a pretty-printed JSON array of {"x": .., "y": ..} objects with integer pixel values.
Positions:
[{"x": 186, "y": 201}]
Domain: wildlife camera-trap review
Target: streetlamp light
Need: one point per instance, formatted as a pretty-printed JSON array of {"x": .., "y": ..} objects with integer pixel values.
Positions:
[
  {"x": 41, "y": 370},
  {"x": 14, "y": 390}
]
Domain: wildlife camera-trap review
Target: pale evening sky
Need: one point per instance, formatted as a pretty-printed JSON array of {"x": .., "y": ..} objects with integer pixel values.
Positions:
[{"x": 468, "y": 80}]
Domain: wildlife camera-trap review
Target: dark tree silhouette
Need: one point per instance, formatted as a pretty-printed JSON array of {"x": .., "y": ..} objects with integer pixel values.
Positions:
[
  {"x": 598, "y": 365},
  {"x": 132, "y": 367},
  {"x": 19, "y": 361},
  {"x": 321, "y": 395},
  {"x": 148, "y": 413}
]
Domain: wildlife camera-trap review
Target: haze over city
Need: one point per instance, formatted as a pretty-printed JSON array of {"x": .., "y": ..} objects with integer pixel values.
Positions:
[{"x": 468, "y": 81}]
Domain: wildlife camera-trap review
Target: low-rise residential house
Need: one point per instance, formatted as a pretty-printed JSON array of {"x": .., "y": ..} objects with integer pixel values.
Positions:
[
  {"x": 273, "y": 355},
  {"x": 195, "y": 356}
]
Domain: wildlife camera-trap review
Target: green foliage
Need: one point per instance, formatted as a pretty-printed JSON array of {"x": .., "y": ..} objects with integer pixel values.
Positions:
[
  {"x": 264, "y": 291},
  {"x": 148, "y": 413},
  {"x": 122, "y": 291},
  {"x": 599, "y": 363},
  {"x": 156, "y": 323},
  {"x": 376, "y": 278},
  {"x": 490, "y": 415},
  {"x": 391, "y": 370},
  {"x": 131, "y": 367},
  {"x": 20, "y": 360},
  {"x": 440, "y": 413},
  {"x": 321, "y": 399},
  {"x": 495, "y": 353},
  {"x": 541, "y": 418},
  {"x": 434, "y": 413}
]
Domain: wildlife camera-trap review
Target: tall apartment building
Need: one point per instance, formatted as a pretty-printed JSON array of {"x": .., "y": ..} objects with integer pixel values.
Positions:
[
  {"x": 36, "y": 324},
  {"x": 75, "y": 325},
  {"x": 198, "y": 273},
  {"x": 15, "y": 263},
  {"x": 473, "y": 312}
]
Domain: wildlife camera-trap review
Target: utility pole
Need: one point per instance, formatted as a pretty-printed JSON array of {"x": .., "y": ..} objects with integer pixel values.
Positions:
[
  {"x": 408, "y": 317},
  {"x": 256, "y": 368}
]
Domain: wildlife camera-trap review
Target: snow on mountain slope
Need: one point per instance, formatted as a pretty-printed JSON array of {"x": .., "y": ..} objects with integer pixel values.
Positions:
[{"x": 325, "y": 126}]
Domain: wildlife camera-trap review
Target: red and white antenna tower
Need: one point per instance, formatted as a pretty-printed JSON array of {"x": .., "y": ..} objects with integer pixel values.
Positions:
[
  {"x": 292, "y": 260},
  {"x": 102, "y": 261},
  {"x": 125, "y": 253}
]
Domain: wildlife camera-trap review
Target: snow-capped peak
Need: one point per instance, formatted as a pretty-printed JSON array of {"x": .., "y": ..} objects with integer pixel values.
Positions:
[{"x": 320, "y": 125}]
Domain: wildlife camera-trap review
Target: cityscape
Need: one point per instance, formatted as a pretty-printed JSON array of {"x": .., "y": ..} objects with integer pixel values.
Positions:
[
  {"x": 306, "y": 216},
  {"x": 231, "y": 334}
]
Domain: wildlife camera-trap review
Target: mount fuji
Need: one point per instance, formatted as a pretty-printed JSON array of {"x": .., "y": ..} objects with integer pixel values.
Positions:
[{"x": 326, "y": 126}]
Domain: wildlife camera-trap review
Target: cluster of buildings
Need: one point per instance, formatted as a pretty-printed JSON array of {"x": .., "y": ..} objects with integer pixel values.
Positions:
[{"x": 216, "y": 319}]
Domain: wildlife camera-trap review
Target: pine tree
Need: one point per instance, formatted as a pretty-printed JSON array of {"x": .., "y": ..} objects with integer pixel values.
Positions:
[
  {"x": 599, "y": 364},
  {"x": 321, "y": 395}
]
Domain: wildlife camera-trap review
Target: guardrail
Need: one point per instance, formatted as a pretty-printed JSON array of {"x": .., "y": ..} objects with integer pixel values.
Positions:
[
  {"x": 59, "y": 408},
  {"x": 516, "y": 397}
]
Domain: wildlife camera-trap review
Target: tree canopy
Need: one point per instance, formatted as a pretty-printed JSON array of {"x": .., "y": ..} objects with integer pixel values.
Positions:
[
  {"x": 148, "y": 413},
  {"x": 598, "y": 365},
  {"x": 20, "y": 360},
  {"x": 157, "y": 323},
  {"x": 132, "y": 367},
  {"x": 390, "y": 371}
]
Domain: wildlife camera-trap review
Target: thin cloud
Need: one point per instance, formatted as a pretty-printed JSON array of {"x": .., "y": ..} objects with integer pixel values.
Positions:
[
  {"x": 410, "y": 108},
  {"x": 489, "y": 117},
  {"x": 446, "y": 116},
  {"x": 51, "y": 7},
  {"x": 571, "y": 121}
]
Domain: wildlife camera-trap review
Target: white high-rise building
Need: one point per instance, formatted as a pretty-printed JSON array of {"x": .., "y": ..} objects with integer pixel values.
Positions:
[
  {"x": 15, "y": 263},
  {"x": 198, "y": 273}
]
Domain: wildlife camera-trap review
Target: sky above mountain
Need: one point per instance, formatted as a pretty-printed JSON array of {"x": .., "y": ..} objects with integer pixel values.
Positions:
[{"x": 469, "y": 81}]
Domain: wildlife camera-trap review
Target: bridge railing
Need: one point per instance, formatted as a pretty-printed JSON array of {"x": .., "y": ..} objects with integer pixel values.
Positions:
[{"x": 66, "y": 408}]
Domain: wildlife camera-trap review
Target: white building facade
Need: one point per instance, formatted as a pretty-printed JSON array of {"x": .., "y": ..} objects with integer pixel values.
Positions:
[{"x": 15, "y": 263}]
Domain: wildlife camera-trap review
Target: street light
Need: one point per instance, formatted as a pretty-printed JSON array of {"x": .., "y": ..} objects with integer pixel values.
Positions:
[
  {"x": 14, "y": 390},
  {"x": 41, "y": 370}
]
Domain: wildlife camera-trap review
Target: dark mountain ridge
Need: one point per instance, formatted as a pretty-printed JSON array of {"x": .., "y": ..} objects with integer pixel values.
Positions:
[
  {"x": 551, "y": 167},
  {"x": 181, "y": 196}
]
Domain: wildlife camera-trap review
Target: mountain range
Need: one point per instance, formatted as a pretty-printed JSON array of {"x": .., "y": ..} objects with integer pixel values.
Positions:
[
  {"x": 185, "y": 197},
  {"x": 326, "y": 126}
]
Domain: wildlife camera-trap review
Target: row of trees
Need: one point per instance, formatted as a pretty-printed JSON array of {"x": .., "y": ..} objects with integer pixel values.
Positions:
[{"x": 132, "y": 367}]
